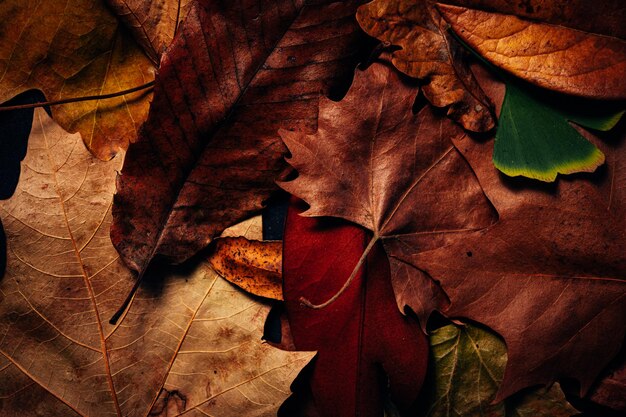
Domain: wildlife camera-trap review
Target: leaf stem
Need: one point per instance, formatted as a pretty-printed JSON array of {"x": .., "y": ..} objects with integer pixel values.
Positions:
[
  {"x": 77, "y": 99},
  {"x": 356, "y": 269},
  {"x": 127, "y": 301}
]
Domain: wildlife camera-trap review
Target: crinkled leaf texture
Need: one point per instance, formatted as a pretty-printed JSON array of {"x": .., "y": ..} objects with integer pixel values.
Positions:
[
  {"x": 71, "y": 49},
  {"x": 547, "y": 272},
  {"x": 428, "y": 52},
  {"x": 375, "y": 163},
  {"x": 191, "y": 342},
  {"x": 561, "y": 57},
  {"x": 209, "y": 152}
]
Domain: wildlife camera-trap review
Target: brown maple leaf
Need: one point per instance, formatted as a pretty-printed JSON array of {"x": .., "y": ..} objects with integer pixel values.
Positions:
[
  {"x": 209, "y": 152},
  {"x": 548, "y": 275},
  {"x": 375, "y": 163},
  {"x": 190, "y": 342}
]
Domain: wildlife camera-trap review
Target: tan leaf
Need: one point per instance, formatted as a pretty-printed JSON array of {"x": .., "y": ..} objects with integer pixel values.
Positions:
[
  {"x": 153, "y": 23},
  {"x": 71, "y": 49},
  {"x": 552, "y": 56},
  {"x": 189, "y": 336},
  {"x": 252, "y": 265},
  {"x": 428, "y": 53}
]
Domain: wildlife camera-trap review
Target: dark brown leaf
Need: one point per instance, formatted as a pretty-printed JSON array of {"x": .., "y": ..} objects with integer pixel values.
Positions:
[{"x": 209, "y": 152}]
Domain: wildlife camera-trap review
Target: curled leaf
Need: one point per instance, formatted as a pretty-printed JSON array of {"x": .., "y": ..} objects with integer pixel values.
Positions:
[
  {"x": 252, "y": 265},
  {"x": 429, "y": 53}
]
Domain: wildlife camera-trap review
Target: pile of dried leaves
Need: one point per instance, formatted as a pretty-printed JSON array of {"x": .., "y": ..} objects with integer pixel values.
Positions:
[{"x": 443, "y": 190}]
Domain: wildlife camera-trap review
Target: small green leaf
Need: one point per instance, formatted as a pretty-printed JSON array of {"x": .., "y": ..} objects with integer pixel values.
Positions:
[
  {"x": 535, "y": 140},
  {"x": 468, "y": 367}
]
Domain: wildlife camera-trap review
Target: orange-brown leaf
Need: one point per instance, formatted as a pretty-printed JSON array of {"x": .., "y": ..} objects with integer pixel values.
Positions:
[
  {"x": 551, "y": 56},
  {"x": 428, "y": 53},
  {"x": 252, "y": 265},
  {"x": 153, "y": 23}
]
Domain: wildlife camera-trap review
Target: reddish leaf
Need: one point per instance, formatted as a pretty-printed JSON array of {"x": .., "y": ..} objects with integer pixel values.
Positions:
[
  {"x": 360, "y": 339},
  {"x": 548, "y": 275},
  {"x": 209, "y": 152}
]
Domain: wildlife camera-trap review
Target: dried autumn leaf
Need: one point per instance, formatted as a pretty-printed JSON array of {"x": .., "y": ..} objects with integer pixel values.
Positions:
[
  {"x": 548, "y": 275},
  {"x": 366, "y": 348},
  {"x": 209, "y": 152},
  {"x": 468, "y": 365},
  {"x": 589, "y": 64},
  {"x": 565, "y": 287},
  {"x": 191, "y": 336},
  {"x": 429, "y": 53},
  {"x": 152, "y": 23},
  {"x": 254, "y": 266},
  {"x": 374, "y": 162},
  {"x": 76, "y": 49}
]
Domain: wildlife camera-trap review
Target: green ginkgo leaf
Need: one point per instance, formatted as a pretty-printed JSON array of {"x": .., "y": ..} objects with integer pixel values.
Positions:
[{"x": 535, "y": 139}]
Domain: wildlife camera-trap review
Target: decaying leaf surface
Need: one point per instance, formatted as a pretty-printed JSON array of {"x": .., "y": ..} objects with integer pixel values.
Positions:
[
  {"x": 253, "y": 265},
  {"x": 378, "y": 170},
  {"x": 429, "y": 53},
  {"x": 210, "y": 152},
  {"x": 548, "y": 275},
  {"x": 551, "y": 271},
  {"x": 590, "y": 64},
  {"x": 468, "y": 365},
  {"x": 188, "y": 335},
  {"x": 76, "y": 49},
  {"x": 366, "y": 348},
  {"x": 152, "y": 23}
]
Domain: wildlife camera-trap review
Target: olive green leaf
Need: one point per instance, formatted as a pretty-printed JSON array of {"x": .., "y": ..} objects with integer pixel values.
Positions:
[{"x": 468, "y": 367}]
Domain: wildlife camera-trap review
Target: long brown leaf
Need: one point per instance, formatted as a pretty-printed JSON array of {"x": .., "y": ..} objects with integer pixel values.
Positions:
[{"x": 209, "y": 152}]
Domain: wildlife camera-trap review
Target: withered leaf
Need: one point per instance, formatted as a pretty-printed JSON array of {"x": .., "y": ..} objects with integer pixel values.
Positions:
[
  {"x": 191, "y": 335},
  {"x": 548, "y": 275},
  {"x": 375, "y": 163},
  {"x": 590, "y": 64},
  {"x": 209, "y": 153},
  {"x": 152, "y": 23},
  {"x": 551, "y": 271},
  {"x": 429, "y": 53},
  {"x": 253, "y": 265},
  {"x": 468, "y": 364},
  {"x": 70, "y": 49}
]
